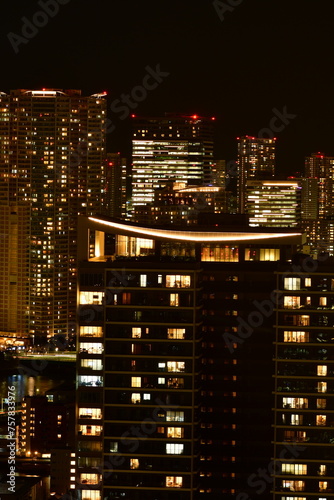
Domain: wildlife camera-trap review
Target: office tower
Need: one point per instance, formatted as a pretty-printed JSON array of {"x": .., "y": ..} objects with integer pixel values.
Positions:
[
  {"x": 116, "y": 185},
  {"x": 179, "y": 203},
  {"x": 174, "y": 358},
  {"x": 174, "y": 147},
  {"x": 273, "y": 203},
  {"x": 256, "y": 160},
  {"x": 303, "y": 459},
  {"x": 51, "y": 169}
]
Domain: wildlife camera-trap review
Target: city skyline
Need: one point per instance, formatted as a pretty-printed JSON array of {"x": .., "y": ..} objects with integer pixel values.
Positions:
[{"x": 246, "y": 66}]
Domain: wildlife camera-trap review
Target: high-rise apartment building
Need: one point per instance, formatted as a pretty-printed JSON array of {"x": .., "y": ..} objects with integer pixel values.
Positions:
[
  {"x": 256, "y": 160},
  {"x": 320, "y": 168},
  {"x": 174, "y": 147},
  {"x": 175, "y": 358},
  {"x": 52, "y": 153},
  {"x": 303, "y": 464}
]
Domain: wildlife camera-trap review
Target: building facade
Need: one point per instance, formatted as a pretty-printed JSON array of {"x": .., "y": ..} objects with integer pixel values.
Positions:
[
  {"x": 51, "y": 169},
  {"x": 304, "y": 366},
  {"x": 273, "y": 203},
  {"x": 168, "y": 403},
  {"x": 174, "y": 147}
]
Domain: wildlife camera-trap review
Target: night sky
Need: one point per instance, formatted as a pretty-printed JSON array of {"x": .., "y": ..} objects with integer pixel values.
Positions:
[{"x": 238, "y": 65}]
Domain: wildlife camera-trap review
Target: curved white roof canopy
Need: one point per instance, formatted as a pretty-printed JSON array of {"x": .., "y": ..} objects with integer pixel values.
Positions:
[{"x": 193, "y": 236}]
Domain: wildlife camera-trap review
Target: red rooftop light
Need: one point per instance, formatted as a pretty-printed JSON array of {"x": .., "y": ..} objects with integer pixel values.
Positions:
[{"x": 194, "y": 117}]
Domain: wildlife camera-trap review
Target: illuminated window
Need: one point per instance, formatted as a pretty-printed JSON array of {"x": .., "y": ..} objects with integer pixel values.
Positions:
[
  {"x": 174, "y": 481},
  {"x": 176, "y": 366},
  {"x": 90, "y": 413},
  {"x": 135, "y": 397},
  {"x": 93, "y": 364},
  {"x": 296, "y": 419},
  {"x": 322, "y": 387},
  {"x": 90, "y": 430},
  {"x": 294, "y": 485},
  {"x": 321, "y": 403},
  {"x": 296, "y": 336},
  {"x": 176, "y": 333},
  {"x": 321, "y": 420},
  {"x": 136, "y": 332},
  {"x": 177, "y": 281},
  {"x": 91, "y": 331},
  {"x": 161, "y": 380},
  {"x": 90, "y": 495},
  {"x": 322, "y": 370},
  {"x": 90, "y": 380},
  {"x": 323, "y": 301},
  {"x": 146, "y": 396},
  {"x": 113, "y": 447},
  {"x": 134, "y": 463},
  {"x": 175, "y": 416},
  {"x": 293, "y": 498},
  {"x": 323, "y": 485},
  {"x": 297, "y": 469},
  {"x": 135, "y": 381},
  {"x": 143, "y": 280},
  {"x": 292, "y": 283},
  {"x": 322, "y": 470},
  {"x": 219, "y": 253},
  {"x": 296, "y": 436},
  {"x": 86, "y": 478},
  {"x": 126, "y": 298},
  {"x": 91, "y": 298},
  {"x": 291, "y": 302},
  {"x": 308, "y": 281},
  {"x": 176, "y": 383},
  {"x": 175, "y": 432},
  {"x": 295, "y": 403},
  {"x": 90, "y": 348},
  {"x": 174, "y": 448},
  {"x": 262, "y": 254},
  {"x": 174, "y": 299}
]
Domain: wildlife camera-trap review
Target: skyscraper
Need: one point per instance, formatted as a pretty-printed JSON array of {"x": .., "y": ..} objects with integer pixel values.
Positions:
[
  {"x": 320, "y": 168},
  {"x": 52, "y": 145},
  {"x": 174, "y": 147},
  {"x": 256, "y": 160},
  {"x": 173, "y": 396}
]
